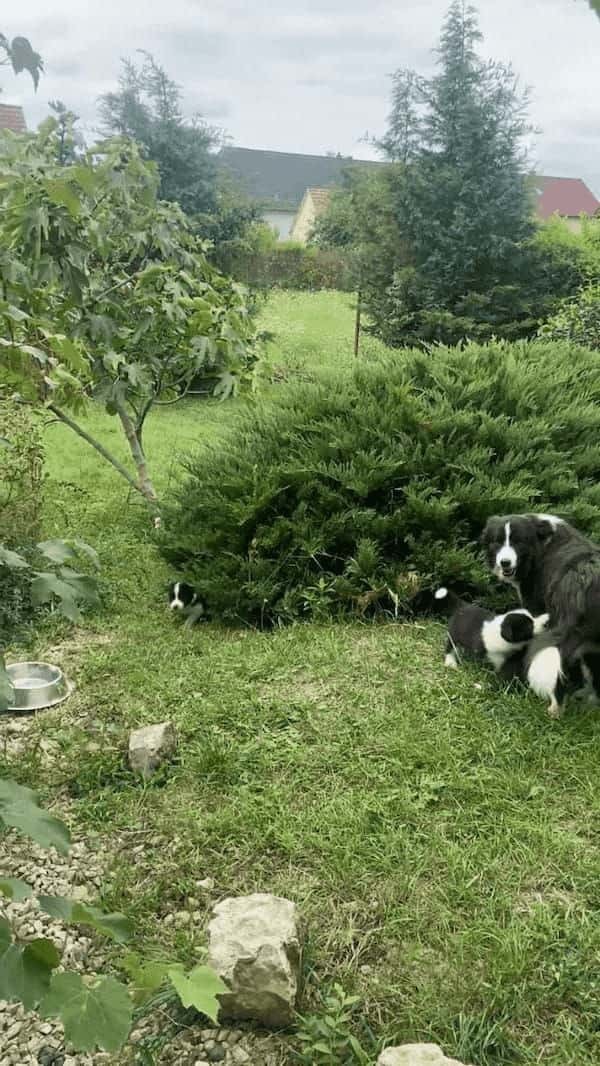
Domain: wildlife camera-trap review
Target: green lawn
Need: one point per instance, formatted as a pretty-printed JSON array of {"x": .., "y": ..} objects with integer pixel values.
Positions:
[{"x": 441, "y": 836}]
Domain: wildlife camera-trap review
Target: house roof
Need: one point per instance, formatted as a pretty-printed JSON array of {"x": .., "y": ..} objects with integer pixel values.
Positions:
[
  {"x": 282, "y": 178},
  {"x": 564, "y": 196},
  {"x": 12, "y": 118}
]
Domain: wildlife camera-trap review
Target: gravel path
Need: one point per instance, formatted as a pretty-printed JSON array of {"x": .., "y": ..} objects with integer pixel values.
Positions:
[{"x": 28, "y": 1040}]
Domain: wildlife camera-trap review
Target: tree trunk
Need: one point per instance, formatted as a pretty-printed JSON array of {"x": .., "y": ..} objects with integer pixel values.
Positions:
[
  {"x": 357, "y": 323},
  {"x": 62, "y": 417},
  {"x": 144, "y": 485}
]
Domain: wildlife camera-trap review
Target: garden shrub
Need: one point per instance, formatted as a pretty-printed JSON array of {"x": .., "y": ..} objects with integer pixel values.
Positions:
[
  {"x": 341, "y": 495},
  {"x": 577, "y": 320},
  {"x": 21, "y": 482},
  {"x": 294, "y": 266}
]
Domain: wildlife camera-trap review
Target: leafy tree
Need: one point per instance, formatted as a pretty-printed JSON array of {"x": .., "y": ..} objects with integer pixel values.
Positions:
[
  {"x": 69, "y": 141},
  {"x": 19, "y": 54},
  {"x": 147, "y": 109},
  {"x": 105, "y": 293},
  {"x": 457, "y": 198}
]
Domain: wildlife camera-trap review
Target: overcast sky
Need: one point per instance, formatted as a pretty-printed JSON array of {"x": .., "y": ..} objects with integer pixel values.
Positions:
[{"x": 312, "y": 75}]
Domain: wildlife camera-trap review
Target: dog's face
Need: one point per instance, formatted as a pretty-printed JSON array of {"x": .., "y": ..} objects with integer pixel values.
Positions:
[
  {"x": 181, "y": 596},
  {"x": 517, "y": 627},
  {"x": 512, "y": 542}
]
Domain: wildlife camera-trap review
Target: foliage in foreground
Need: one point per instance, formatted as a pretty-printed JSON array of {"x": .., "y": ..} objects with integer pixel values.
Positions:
[
  {"x": 331, "y": 497},
  {"x": 106, "y": 293},
  {"x": 95, "y": 1013},
  {"x": 577, "y": 320}
]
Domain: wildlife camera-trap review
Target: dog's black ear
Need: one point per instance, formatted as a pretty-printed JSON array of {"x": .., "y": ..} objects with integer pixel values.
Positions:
[
  {"x": 543, "y": 529},
  {"x": 486, "y": 532}
]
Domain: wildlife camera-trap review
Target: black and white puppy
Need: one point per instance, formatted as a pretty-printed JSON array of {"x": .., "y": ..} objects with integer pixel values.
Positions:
[
  {"x": 183, "y": 598},
  {"x": 555, "y": 569},
  {"x": 478, "y": 633}
]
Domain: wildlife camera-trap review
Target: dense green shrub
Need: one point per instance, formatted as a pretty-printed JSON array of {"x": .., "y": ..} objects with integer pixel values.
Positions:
[
  {"x": 577, "y": 320},
  {"x": 21, "y": 481},
  {"x": 331, "y": 497},
  {"x": 293, "y": 266}
]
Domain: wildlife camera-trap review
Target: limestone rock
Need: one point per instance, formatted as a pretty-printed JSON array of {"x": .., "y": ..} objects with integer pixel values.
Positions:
[
  {"x": 254, "y": 946},
  {"x": 416, "y": 1055},
  {"x": 151, "y": 746}
]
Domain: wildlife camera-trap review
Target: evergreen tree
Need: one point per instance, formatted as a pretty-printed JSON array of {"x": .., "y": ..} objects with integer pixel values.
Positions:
[
  {"x": 147, "y": 108},
  {"x": 461, "y": 208}
]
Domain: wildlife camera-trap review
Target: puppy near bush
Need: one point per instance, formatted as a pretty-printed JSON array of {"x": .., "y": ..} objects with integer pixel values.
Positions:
[
  {"x": 185, "y": 600},
  {"x": 478, "y": 633}
]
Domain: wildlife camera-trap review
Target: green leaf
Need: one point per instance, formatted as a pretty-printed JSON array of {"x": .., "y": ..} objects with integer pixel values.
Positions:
[
  {"x": 15, "y": 889},
  {"x": 62, "y": 193},
  {"x": 88, "y": 551},
  {"x": 46, "y": 586},
  {"x": 93, "y": 1016},
  {"x": 69, "y": 353},
  {"x": 12, "y": 560},
  {"x": 23, "y": 57},
  {"x": 6, "y": 686},
  {"x": 199, "y": 989},
  {"x": 57, "y": 551},
  {"x": 116, "y": 926},
  {"x": 19, "y": 810},
  {"x": 25, "y": 972},
  {"x": 5, "y": 935},
  {"x": 146, "y": 976}
]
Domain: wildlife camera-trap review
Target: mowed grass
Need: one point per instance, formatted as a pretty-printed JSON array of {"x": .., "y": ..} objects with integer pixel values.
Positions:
[{"x": 439, "y": 834}]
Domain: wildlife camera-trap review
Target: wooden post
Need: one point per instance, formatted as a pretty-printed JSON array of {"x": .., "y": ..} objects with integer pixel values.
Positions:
[{"x": 357, "y": 324}]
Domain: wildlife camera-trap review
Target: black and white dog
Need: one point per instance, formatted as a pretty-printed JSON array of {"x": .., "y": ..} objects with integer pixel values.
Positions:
[
  {"x": 183, "y": 598},
  {"x": 478, "y": 633},
  {"x": 557, "y": 570},
  {"x": 515, "y": 644}
]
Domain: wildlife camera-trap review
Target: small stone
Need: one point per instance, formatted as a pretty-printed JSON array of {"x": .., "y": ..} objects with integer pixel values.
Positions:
[
  {"x": 254, "y": 946},
  {"x": 201, "y": 1062},
  {"x": 233, "y": 1036},
  {"x": 182, "y": 918},
  {"x": 207, "y": 1034},
  {"x": 207, "y": 884},
  {"x": 416, "y": 1055},
  {"x": 151, "y": 746},
  {"x": 14, "y": 1030},
  {"x": 239, "y": 1055},
  {"x": 216, "y": 1054},
  {"x": 209, "y": 1045}
]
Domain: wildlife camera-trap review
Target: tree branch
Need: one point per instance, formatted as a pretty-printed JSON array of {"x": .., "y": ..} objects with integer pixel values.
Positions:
[{"x": 122, "y": 470}]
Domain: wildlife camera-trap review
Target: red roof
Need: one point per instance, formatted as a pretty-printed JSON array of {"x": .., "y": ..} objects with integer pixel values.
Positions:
[
  {"x": 566, "y": 196},
  {"x": 12, "y": 118}
]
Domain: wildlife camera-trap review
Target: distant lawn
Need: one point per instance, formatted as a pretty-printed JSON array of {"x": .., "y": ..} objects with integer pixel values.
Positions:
[{"x": 440, "y": 835}]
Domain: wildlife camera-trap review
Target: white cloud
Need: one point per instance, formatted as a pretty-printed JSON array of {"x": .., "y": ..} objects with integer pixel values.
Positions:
[{"x": 312, "y": 75}]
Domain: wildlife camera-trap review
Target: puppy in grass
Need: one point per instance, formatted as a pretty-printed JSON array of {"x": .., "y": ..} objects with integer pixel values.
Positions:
[
  {"x": 185, "y": 600},
  {"x": 477, "y": 633}
]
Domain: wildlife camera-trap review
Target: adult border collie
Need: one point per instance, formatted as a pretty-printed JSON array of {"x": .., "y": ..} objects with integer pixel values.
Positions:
[{"x": 555, "y": 569}]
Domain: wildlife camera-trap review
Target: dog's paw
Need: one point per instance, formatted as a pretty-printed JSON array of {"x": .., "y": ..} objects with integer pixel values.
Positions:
[
  {"x": 450, "y": 661},
  {"x": 554, "y": 710},
  {"x": 540, "y": 623}
]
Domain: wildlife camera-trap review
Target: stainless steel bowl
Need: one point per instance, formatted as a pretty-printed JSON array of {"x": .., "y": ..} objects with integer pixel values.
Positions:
[{"x": 36, "y": 685}]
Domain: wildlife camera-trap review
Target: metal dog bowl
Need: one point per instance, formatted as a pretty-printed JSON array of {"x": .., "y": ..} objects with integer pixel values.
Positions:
[{"x": 36, "y": 685}]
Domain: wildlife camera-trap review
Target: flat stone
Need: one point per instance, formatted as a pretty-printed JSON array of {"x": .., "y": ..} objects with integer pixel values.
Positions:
[
  {"x": 416, "y": 1055},
  {"x": 254, "y": 946},
  {"x": 151, "y": 746}
]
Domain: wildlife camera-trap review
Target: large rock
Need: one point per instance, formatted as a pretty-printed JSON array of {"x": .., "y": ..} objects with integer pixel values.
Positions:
[
  {"x": 254, "y": 946},
  {"x": 416, "y": 1055},
  {"x": 151, "y": 746}
]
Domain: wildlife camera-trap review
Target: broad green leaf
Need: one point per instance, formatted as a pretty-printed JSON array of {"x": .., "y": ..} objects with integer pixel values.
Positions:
[
  {"x": 57, "y": 551},
  {"x": 69, "y": 353},
  {"x": 85, "y": 177},
  {"x": 25, "y": 971},
  {"x": 116, "y": 926},
  {"x": 5, "y": 935},
  {"x": 199, "y": 989},
  {"x": 91, "y": 553},
  {"x": 15, "y": 889},
  {"x": 45, "y": 586},
  {"x": 19, "y": 810},
  {"x": 62, "y": 193},
  {"x": 93, "y": 1016},
  {"x": 23, "y": 57},
  {"x": 11, "y": 559},
  {"x": 6, "y": 686},
  {"x": 146, "y": 976}
]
